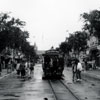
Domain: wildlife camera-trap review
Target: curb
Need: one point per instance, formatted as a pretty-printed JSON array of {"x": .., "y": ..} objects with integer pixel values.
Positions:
[{"x": 6, "y": 75}]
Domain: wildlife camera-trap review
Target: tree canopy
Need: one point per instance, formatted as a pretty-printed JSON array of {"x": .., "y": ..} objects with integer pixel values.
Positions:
[
  {"x": 78, "y": 40},
  {"x": 65, "y": 47},
  {"x": 92, "y": 22},
  {"x": 13, "y": 35}
]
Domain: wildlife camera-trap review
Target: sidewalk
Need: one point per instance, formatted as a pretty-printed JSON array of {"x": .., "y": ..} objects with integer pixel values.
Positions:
[
  {"x": 4, "y": 73},
  {"x": 84, "y": 90},
  {"x": 94, "y": 74}
]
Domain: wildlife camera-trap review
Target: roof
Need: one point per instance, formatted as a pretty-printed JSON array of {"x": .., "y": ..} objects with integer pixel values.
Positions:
[{"x": 51, "y": 53}]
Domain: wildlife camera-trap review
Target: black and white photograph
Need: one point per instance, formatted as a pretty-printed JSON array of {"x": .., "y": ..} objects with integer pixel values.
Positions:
[{"x": 49, "y": 49}]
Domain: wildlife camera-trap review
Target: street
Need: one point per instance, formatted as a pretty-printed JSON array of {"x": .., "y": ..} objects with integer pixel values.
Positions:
[
  {"x": 50, "y": 50},
  {"x": 15, "y": 88},
  {"x": 87, "y": 89}
]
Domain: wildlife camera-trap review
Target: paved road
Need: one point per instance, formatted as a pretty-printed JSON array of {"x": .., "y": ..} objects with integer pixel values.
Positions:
[{"x": 14, "y": 88}]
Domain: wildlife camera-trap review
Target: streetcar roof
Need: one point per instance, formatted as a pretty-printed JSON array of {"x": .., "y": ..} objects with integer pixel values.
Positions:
[{"x": 51, "y": 53}]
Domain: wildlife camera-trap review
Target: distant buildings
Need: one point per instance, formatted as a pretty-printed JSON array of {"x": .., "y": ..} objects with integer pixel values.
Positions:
[
  {"x": 93, "y": 50},
  {"x": 39, "y": 53}
]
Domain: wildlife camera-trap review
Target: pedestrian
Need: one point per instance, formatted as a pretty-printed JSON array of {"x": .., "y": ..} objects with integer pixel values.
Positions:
[
  {"x": 31, "y": 68},
  {"x": 28, "y": 72},
  {"x": 79, "y": 69},
  {"x": 6, "y": 62},
  {"x": 85, "y": 64},
  {"x": 22, "y": 68},
  {"x": 74, "y": 71},
  {"x": 2, "y": 60},
  {"x": 9, "y": 67},
  {"x": 94, "y": 64},
  {"x": 0, "y": 67},
  {"x": 18, "y": 68},
  {"x": 14, "y": 64}
]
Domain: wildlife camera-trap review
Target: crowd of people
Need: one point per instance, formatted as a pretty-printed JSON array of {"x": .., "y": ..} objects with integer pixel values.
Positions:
[
  {"x": 7, "y": 63},
  {"x": 25, "y": 69}
]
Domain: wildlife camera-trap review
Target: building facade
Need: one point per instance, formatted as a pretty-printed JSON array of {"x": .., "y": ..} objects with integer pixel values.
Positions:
[{"x": 94, "y": 50}]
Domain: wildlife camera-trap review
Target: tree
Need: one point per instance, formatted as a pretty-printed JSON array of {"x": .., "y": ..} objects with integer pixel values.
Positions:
[
  {"x": 65, "y": 47},
  {"x": 27, "y": 49},
  {"x": 12, "y": 35},
  {"x": 10, "y": 31},
  {"x": 92, "y": 22},
  {"x": 78, "y": 41}
]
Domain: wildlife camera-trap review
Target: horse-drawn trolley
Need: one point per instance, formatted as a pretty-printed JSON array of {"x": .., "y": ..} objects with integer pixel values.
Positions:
[{"x": 53, "y": 64}]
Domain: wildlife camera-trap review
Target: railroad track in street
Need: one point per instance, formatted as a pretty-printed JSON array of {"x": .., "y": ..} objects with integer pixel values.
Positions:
[{"x": 61, "y": 91}]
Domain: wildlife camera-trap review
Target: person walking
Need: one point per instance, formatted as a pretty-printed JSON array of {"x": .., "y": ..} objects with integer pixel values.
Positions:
[
  {"x": 74, "y": 71},
  {"x": 27, "y": 68},
  {"x": 18, "y": 68},
  {"x": 79, "y": 69},
  {"x": 31, "y": 68},
  {"x": 22, "y": 68},
  {"x": 9, "y": 67}
]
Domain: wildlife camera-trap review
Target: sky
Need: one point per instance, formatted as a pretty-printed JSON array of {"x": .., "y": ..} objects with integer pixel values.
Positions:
[{"x": 49, "y": 21}]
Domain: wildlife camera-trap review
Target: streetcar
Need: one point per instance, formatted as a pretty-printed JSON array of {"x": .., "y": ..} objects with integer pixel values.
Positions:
[{"x": 53, "y": 64}]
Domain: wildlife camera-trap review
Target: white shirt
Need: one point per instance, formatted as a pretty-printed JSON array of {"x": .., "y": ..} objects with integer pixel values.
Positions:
[
  {"x": 18, "y": 66},
  {"x": 79, "y": 66}
]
